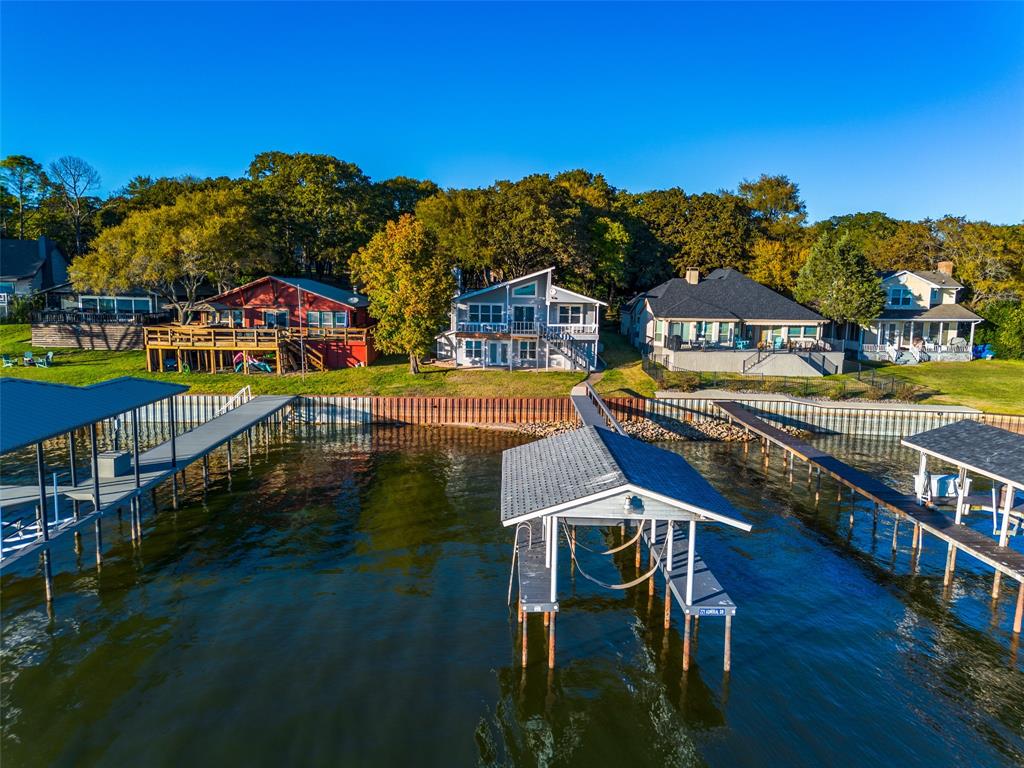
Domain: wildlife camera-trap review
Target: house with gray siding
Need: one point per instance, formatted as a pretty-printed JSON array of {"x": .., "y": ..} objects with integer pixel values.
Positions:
[{"x": 526, "y": 322}]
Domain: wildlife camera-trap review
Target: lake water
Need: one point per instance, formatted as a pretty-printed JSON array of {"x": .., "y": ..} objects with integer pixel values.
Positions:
[{"x": 343, "y": 602}]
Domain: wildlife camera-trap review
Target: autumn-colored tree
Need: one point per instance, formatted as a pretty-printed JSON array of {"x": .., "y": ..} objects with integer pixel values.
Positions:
[
  {"x": 172, "y": 250},
  {"x": 776, "y": 264},
  {"x": 410, "y": 286}
]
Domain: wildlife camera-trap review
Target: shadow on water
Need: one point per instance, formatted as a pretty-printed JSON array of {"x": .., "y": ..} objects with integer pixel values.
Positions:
[{"x": 344, "y": 602}]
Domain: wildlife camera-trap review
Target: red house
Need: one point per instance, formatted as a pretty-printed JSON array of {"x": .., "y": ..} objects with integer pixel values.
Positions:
[{"x": 333, "y": 321}]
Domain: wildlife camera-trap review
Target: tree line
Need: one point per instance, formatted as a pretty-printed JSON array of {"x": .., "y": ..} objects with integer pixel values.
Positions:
[{"x": 315, "y": 214}]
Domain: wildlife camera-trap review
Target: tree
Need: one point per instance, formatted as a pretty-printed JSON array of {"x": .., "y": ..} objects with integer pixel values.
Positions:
[
  {"x": 838, "y": 280},
  {"x": 460, "y": 220},
  {"x": 317, "y": 210},
  {"x": 74, "y": 179},
  {"x": 24, "y": 180},
  {"x": 777, "y": 264},
  {"x": 410, "y": 286},
  {"x": 772, "y": 199},
  {"x": 401, "y": 195},
  {"x": 173, "y": 250},
  {"x": 988, "y": 259}
]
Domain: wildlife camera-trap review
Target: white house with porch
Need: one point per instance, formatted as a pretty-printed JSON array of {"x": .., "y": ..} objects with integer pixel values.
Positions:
[
  {"x": 526, "y": 322},
  {"x": 921, "y": 321}
]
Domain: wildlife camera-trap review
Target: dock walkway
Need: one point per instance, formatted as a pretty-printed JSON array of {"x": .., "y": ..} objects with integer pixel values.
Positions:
[
  {"x": 155, "y": 467},
  {"x": 979, "y": 546}
]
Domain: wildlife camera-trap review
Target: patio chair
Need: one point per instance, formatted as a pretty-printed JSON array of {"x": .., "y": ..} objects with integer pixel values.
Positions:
[
  {"x": 27, "y": 359},
  {"x": 45, "y": 362},
  {"x": 8, "y": 361}
]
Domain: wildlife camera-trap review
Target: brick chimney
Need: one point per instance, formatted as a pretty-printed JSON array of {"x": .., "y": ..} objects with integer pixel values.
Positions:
[
  {"x": 693, "y": 276},
  {"x": 945, "y": 267}
]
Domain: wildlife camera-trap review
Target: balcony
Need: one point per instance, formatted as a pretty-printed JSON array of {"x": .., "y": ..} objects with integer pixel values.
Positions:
[
  {"x": 575, "y": 329},
  {"x": 467, "y": 327},
  {"x": 208, "y": 337}
]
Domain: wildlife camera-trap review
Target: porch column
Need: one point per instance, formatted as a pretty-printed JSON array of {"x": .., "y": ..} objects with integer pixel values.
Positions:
[
  {"x": 41, "y": 477},
  {"x": 554, "y": 559},
  {"x": 942, "y": 334},
  {"x": 922, "y": 474},
  {"x": 1007, "y": 506},
  {"x": 972, "y": 336}
]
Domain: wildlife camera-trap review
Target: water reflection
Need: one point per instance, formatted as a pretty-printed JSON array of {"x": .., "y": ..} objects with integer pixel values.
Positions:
[{"x": 344, "y": 602}]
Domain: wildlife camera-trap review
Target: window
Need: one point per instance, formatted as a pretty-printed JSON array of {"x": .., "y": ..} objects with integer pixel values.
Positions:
[
  {"x": 527, "y": 350},
  {"x": 486, "y": 313},
  {"x": 107, "y": 304},
  {"x": 236, "y": 318},
  {"x": 570, "y": 314},
  {"x": 275, "y": 318},
  {"x": 474, "y": 349},
  {"x": 659, "y": 330},
  {"x": 810, "y": 330},
  {"x": 525, "y": 290},
  {"x": 7, "y": 288},
  {"x": 724, "y": 332},
  {"x": 936, "y": 297},
  {"x": 90, "y": 303},
  {"x": 702, "y": 328},
  {"x": 313, "y": 319},
  {"x": 341, "y": 319},
  {"x": 900, "y": 296}
]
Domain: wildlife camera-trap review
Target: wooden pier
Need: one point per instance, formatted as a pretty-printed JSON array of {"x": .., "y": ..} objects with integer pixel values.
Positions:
[
  {"x": 598, "y": 476},
  {"x": 906, "y": 507},
  {"x": 149, "y": 469}
]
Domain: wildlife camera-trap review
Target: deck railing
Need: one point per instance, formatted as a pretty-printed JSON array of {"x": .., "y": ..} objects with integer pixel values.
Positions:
[
  {"x": 77, "y": 317},
  {"x": 209, "y": 337},
  {"x": 466, "y": 327}
]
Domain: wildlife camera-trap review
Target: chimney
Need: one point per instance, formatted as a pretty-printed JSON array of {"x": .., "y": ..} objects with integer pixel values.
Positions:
[
  {"x": 693, "y": 276},
  {"x": 945, "y": 267}
]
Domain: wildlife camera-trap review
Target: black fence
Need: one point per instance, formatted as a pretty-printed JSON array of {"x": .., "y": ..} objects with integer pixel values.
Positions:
[
  {"x": 75, "y": 317},
  {"x": 866, "y": 383}
]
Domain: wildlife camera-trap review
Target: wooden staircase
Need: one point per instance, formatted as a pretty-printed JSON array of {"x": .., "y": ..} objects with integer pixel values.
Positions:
[{"x": 291, "y": 351}]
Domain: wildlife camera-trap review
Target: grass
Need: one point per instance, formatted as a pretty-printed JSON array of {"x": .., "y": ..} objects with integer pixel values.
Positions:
[
  {"x": 625, "y": 375},
  {"x": 994, "y": 386},
  {"x": 389, "y": 376}
]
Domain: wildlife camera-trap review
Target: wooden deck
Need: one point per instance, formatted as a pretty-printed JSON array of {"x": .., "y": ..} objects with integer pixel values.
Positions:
[
  {"x": 155, "y": 467},
  {"x": 709, "y": 597},
  {"x": 211, "y": 337},
  {"x": 534, "y": 574},
  {"x": 904, "y": 506}
]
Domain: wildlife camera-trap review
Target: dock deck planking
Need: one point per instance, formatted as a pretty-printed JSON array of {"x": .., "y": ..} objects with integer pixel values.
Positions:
[
  {"x": 709, "y": 597},
  {"x": 155, "y": 464},
  {"x": 979, "y": 546},
  {"x": 534, "y": 574}
]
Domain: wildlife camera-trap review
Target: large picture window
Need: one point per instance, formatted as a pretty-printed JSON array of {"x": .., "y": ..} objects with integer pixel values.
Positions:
[{"x": 486, "y": 313}]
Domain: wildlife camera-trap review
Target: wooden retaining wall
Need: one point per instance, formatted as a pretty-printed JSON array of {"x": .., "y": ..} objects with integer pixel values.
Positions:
[
  {"x": 863, "y": 421},
  {"x": 105, "y": 336}
]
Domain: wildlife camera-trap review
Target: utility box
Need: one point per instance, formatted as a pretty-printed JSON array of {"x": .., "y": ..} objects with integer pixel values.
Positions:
[{"x": 115, "y": 463}]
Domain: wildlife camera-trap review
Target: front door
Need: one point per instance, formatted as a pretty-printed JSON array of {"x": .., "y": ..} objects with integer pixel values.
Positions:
[{"x": 497, "y": 353}]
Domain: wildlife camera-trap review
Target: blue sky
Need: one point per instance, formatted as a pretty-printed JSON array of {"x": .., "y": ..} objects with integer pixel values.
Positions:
[{"x": 916, "y": 110}]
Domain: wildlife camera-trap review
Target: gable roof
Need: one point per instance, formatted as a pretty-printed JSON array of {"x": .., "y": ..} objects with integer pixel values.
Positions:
[
  {"x": 585, "y": 463},
  {"x": 991, "y": 451},
  {"x": 936, "y": 278},
  {"x": 940, "y": 312},
  {"x": 503, "y": 283},
  {"x": 20, "y": 259},
  {"x": 725, "y": 294},
  {"x": 332, "y": 292}
]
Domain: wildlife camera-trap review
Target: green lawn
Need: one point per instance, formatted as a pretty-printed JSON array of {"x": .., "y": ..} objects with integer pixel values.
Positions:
[
  {"x": 995, "y": 386},
  {"x": 389, "y": 376}
]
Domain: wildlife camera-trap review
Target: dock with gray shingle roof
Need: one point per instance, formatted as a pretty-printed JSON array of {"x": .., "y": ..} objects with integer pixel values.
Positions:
[{"x": 598, "y": 476}]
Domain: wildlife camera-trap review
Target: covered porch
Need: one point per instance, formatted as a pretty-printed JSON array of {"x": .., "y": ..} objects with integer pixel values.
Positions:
[{"x": 941, "y": 334}]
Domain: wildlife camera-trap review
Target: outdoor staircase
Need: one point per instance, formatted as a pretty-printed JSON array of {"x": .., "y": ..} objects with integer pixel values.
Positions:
[
  {"x": 568, "y": 345},
  {"x": 901, "y": 356},
  {"x": 291, "y": 350}
]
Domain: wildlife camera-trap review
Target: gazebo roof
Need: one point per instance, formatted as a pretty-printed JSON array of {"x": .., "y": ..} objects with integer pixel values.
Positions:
[
  {"x": 989, "y": 451},
  {"x": 587, "y": 464}
]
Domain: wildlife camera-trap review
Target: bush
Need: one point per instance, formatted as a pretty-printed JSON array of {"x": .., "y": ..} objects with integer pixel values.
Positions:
[
  {"x": 684, "y": 381},
  {"x": 1003, "y": 329},
  {"x": 21, "y": 307}
]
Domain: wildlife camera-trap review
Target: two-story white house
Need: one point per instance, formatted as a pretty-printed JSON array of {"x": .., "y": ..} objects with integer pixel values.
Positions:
[
  {"x": 922, "y": 320},
  {"x": 528, "y": 322}
]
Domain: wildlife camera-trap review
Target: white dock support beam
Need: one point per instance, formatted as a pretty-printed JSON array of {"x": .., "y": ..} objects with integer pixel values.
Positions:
[
  {"x": 691, "y": 545},
  {"x": 554, "y": 559}
]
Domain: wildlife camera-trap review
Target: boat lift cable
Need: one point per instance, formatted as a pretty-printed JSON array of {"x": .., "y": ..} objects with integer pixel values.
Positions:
[{"x": 628, "y": 584}]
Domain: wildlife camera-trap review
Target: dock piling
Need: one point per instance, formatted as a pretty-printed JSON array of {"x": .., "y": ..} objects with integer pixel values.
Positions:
[{"x": 727, "y": 649}]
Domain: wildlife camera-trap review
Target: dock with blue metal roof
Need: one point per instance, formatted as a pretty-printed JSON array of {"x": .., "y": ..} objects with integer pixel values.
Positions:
[{"x": 33, "y": 412}]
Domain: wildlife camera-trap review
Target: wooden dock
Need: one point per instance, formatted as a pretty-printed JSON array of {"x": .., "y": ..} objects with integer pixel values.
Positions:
[
  {"x": 156, "y": 466},
  {"x": 904, "y": 506}
]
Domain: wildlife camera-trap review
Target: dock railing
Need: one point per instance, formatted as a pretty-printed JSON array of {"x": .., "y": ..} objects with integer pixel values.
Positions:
[{"x": 244, "y": 395}]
